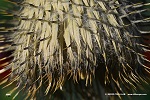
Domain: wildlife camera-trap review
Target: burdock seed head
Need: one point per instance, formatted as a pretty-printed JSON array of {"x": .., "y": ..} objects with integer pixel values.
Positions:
[{"x": 59, "y": 43}]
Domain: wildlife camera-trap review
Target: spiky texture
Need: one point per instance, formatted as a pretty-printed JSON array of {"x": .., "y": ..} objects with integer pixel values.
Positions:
[
  {"x": 95, "y": 43},
  {"x": 5, "y": 42}
]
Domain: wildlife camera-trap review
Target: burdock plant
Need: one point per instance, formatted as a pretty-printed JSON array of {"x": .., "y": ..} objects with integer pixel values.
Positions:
[{"x": 75, "y": 49}]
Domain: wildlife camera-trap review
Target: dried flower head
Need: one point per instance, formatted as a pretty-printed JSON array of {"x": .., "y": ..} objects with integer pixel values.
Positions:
[{"x": 95, "y": 43}]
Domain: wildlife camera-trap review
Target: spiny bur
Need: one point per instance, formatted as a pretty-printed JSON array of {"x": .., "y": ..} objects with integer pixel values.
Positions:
[{"x": 75, "y": 49}]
